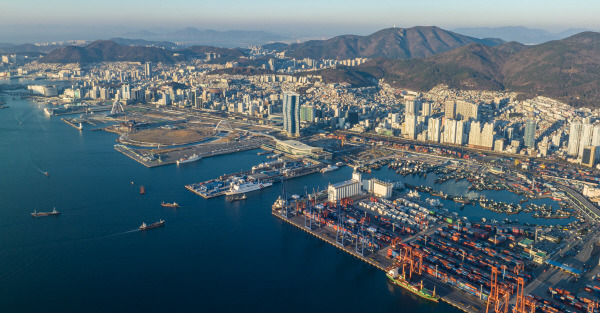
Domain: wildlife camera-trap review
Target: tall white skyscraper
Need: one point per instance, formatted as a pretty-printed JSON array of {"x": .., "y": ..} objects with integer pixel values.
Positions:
[
  {"x": 412, "y": 107},
  {"x": 574, "y": 139},
  {"x": 291, "y": 114},
  {"x": 426, "y": 109},
  {"x": 433, "y": 129},
  {"x": 148, "y": 69},
  {"x": 587, "y": 133},
  {"x": 410, "y": 126}
]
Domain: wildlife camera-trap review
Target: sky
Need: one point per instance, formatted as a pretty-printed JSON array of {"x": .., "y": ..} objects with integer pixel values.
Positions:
[{"x": 22, "y": 20}]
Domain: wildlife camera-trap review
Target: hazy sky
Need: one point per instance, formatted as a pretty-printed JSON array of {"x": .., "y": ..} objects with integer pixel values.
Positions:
[{"x": 310, "y": 17}]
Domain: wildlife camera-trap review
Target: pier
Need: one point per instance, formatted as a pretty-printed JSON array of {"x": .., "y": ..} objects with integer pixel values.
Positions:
[
  {"x": 379, "y": 260},
  {"x": 277, "y": 171}
]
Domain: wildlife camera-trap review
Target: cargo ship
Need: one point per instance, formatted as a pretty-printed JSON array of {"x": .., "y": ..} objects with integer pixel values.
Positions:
[
  {"x": 153, "y": 225},
  {"x": 247, "y": 186},
  {"x": 39, "y": 214},
  {"x": 191, "y": 158},
  {"x": 418, "y": 290},
  {"x": 170, "y": 205}
]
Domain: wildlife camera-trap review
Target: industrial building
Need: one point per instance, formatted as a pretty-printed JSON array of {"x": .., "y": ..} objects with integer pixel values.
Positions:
[{"x": 345, "y": 189}]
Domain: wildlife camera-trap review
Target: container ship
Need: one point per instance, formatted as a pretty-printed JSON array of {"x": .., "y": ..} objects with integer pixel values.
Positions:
[
  {"x": 170, "y": 205},
  {"x": 424, "y": 293},
  {"x": 153, "y": 225},
  {"x": 247, "y": 186},
  {"x": 39, "y": 214},
  {"x": 191, "y": 158}
]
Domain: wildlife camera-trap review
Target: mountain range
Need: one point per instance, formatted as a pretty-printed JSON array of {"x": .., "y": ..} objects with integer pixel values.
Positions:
[
  {"x": 106, "y": 51},
  {"x": 567, "y": 69},
  {"x": 518, "y": 33},
  {"x": 230, "y": 38},
  {"x": 394, "y": 43}
]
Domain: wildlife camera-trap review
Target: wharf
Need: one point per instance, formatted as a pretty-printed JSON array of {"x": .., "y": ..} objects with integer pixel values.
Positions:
[
  {"x": 70, "y": 123},
  {"x": 378, "y": 259},
  {"x": 148, "y": 157},
  {"x": 275, "y": 178}
]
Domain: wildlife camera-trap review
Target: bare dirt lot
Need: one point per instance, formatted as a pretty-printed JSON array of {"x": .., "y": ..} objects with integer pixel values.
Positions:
[{"x": 171, "y": 136}]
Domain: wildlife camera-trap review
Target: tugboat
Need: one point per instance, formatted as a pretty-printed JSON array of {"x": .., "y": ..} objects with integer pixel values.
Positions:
[
  {"x": 142, "y": 190},
  {"x": 39, "y": 214},
  {"x": 237, "y": 198},
  {"x": 160, "y": 223},
  {"x": 170, "y": 205}
]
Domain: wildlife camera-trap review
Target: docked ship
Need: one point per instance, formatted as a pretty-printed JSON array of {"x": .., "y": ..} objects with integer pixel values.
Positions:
[
  {"x": 329, "y": 168},
  {"x": 246, "y": 186},
  {"x": 279, "y": 203},
  {"x": 144, "y": 226},
  {"x": 170, "y": 205},
  {"x": 39, "y": 214},
  {"x": 413, "y": 194},
  {"x": 418, "y": 289},
  {"x": 191, "y": 158},
  {"x": 48, "y": 111}
]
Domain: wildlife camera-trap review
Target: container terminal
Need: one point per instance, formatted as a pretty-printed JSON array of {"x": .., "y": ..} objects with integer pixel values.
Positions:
[{"x": 476, "y": 267}]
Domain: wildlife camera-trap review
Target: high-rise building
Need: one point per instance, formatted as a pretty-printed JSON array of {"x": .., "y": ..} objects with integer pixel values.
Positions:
[
  {"x": 410, "y": 125},
  {"x": 450, "y": 109},
  {"x": 307, "y": 113},
  {"x": 291, "y": 114},
  {"x": 530, "y": 127},
  {"x": 413, "y": 107},
  {"x": 588, "y": 156},
  {"x": 574, "y": 138},
  {"x": 426, "y": 109},
  {"x": 587, "y": 133},
  {"x": 433, "y": 129},
  {"x": 466, "y": 110},
  {"x": 148, "y": 69}
]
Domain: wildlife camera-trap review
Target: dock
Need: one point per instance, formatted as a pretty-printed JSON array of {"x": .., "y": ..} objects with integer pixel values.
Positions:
[
  {"x": 152, "y": 158},
  {"x": 379, "y": 260},
  {"x": 217, "y": 187}
]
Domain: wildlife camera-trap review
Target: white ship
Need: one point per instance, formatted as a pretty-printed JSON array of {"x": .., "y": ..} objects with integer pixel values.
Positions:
[
  {"x": 246, "y": 186},
  {"x": 279, "y": 203},
  {"x": 434, "y": 202},
  {"x": 192, "y": 158},
  {"x": 413, "y": 194},
  {"x": 48, "y": 111},
  {"x": 329, "y": 168}
]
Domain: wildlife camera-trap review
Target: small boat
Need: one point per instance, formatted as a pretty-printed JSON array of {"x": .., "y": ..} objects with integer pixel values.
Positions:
[
  {"x": 142, "y": 190},
  {"x": 39, "y": 214},
  {"x": 46, "y": 173},
  {"x": 160, "y": 223},
  {"x": 170, "y": 205},
  {"x": 237, "y": 198}
]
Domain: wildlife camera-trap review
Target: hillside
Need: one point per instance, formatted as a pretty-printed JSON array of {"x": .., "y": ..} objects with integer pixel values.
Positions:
[
  {"x": 393, "y": 43},
  {"x": 567, "y": 69},
  {"x": 103, "y": 51}
]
